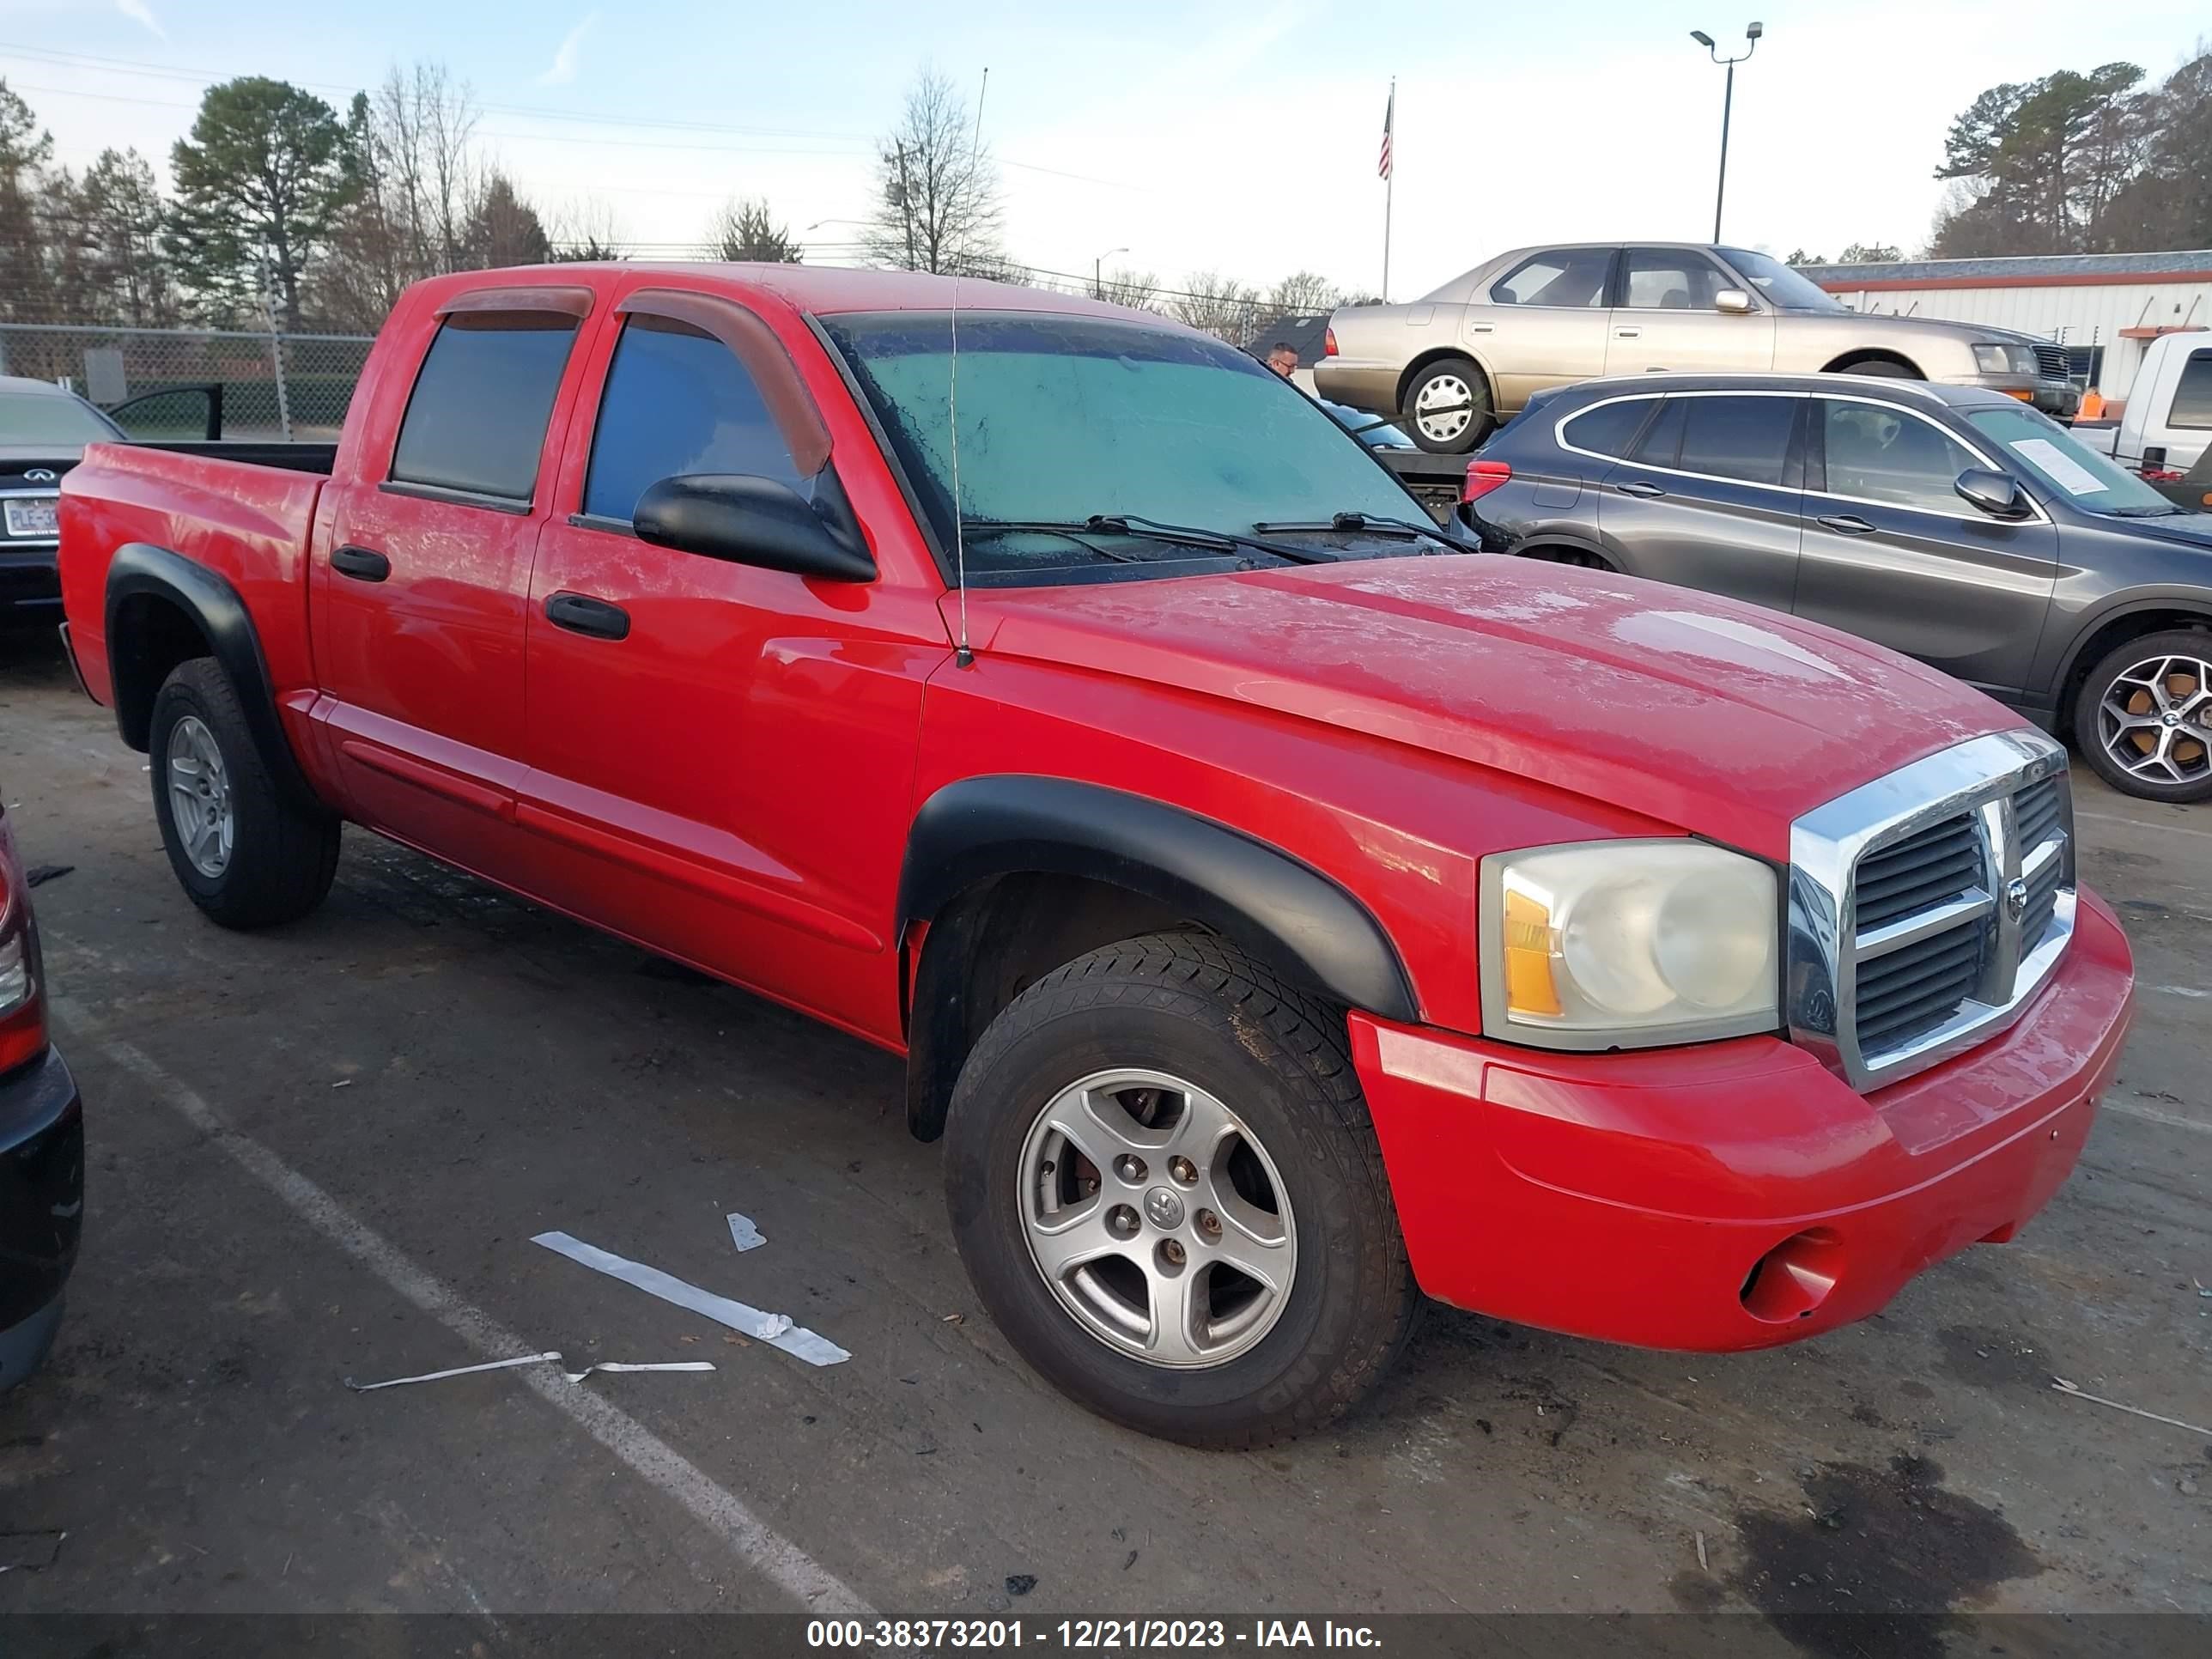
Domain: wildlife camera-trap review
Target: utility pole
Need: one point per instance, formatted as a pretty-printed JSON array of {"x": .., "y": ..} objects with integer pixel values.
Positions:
[
  {"x": 906, "y": 206},
  {"x": 1727, "y": 105}
]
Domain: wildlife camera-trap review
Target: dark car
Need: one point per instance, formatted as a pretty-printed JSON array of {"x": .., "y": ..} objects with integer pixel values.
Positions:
[
  {"x": 44, "y": 429},
  {"x": 41, "y": 1141},
  {"x": 1955, "y": 525}
]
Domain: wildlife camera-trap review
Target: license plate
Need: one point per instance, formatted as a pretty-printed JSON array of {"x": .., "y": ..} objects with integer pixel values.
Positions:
[{"x": 39, "y": 518}]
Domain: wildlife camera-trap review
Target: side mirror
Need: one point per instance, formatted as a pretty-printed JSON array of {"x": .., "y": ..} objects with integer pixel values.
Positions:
[
  {"x": 748, "y": 521},
  {"x": 1733, "y": 301},
  {"x": 1997, "y": 494}
]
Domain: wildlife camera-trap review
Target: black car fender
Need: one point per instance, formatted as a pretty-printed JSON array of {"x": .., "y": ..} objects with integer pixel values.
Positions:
[{"x": 139, "y": 657}]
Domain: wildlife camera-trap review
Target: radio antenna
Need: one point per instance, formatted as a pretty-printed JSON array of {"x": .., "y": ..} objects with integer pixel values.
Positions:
[{"x": 963, "y": 654}]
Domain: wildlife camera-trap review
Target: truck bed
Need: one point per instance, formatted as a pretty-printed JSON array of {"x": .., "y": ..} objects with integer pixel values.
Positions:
[{"x": 243, "y": 512}]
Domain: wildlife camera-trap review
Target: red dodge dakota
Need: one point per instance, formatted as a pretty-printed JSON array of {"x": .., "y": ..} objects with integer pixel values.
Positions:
[{"x": 1285, "y": 911}]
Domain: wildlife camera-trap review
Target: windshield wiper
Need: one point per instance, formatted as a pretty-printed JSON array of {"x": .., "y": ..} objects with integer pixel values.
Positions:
[
  {"x": 1375, "y": 524},
  {"x": 1227, "y": 541},
  {"x": 985, "y": 529}
]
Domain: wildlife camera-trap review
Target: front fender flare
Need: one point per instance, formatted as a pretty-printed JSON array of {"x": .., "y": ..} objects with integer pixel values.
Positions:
[{"x": 1258, "y": 897}]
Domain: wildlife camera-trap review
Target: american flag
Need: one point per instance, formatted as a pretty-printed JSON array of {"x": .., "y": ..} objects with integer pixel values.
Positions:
[{"x": 1389, "y": 115}]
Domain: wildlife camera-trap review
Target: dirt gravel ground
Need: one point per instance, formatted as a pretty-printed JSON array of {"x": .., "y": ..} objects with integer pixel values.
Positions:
[{"x": 322, "y": 1152}]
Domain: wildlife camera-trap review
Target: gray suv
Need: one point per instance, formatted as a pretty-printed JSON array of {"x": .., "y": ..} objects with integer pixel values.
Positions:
[{"x": 1957, "y": 526}]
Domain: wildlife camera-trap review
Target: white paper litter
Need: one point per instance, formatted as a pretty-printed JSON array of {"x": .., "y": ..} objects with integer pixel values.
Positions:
[
  {"x": 775, "y": 1329},
  {"x": 744, "y": 1233},
  {"x": 458, "y": 1371},
  {"x": 616, "y": 1366}
]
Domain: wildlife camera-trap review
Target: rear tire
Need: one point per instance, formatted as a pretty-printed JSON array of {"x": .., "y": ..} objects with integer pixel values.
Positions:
[
  {"x": 1270, "y": 1099},
  {"x": 2121, "y": 723},
  {"x": 243, "y": 852},
  {"x": 1447, "y": 381}
]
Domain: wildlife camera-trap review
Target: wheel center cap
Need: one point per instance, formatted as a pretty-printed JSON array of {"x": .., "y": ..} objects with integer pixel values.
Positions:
[
  {"x": 2170, "y": 718},
  {"x": 1162, "y": 1208}
]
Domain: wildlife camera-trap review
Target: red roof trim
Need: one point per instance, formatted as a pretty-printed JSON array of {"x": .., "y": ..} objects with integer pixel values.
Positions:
[{"x": 2079, "y": 279}]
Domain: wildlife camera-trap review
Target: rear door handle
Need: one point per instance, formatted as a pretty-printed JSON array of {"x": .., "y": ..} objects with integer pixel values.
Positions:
[
  {"x": 580, "y": 614},
  {"x": 360, "y": 564},
  {"x": 1628, "y": 333},
  {"x": 1847, "y": 524},
  {"x": 1638, "y": 486},
  {"x": 1481, "y": 328}
]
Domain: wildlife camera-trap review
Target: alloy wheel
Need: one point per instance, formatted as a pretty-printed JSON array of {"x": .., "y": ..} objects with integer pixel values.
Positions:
[
  {"x": 1158, "y": 1218},
  {"x": 199, "y": 796},
  {"x": 2154, "y": 719}
]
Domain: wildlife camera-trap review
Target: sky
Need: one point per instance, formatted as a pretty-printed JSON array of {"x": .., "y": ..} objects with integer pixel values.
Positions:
[{"x": 1184, "y": 135}]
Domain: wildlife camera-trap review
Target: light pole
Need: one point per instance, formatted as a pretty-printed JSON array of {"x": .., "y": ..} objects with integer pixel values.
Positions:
[
  {"x": 1728, "y": 103},
  {"x": 1098, "y": 271}
]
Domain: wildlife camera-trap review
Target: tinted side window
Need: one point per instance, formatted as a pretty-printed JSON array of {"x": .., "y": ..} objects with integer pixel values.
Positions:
[
  {"x": 1565, "y": 276},
  {"x": 1746, "y": 438},
  {"x": 1662, "y": 443},
  {"x": 1609, "y": 429},
  {"x": 477, "y": 418},
  {"x": 2192, "y": 398},
  {"x": 677, "y": 401},
  {"x": 1670, "y": 279},
  {"x": 1880, "y": 454}
]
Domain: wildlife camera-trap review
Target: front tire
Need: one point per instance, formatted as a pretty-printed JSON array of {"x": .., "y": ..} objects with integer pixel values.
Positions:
[
  {"x": 1883, "y": 369},
  {"x": 1165, "y": 1186},
  {"x": 1448, "y": 407},
  {"x": 2143, "y": 720},
  {"x": 243, "y": 852}
]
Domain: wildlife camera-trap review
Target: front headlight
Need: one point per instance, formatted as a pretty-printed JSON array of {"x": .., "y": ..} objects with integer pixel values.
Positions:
[
  {"x": 1628, "y": 944},
  {"x": 1991, "y": 359}
]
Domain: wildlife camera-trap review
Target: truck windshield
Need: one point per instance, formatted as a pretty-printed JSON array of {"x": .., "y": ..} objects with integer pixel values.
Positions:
[
  {"x": 1064, "y": 420},
  {"x": 39, "y": 417},
  {"x": 1781, "y": 285},
  {"x": 2046, "y": 451}
]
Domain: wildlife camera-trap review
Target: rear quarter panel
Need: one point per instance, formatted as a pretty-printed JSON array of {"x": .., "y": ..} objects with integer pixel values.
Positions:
[{"x": 248, "y": 524}]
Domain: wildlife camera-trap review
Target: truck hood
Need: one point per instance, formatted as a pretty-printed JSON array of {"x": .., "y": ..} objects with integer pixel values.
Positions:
[{"x": 1718, "y": 718}]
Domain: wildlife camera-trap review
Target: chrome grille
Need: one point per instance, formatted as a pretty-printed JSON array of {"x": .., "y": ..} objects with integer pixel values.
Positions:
[
  {"x": 1926, "y": 908},
  {"x": 2051, "y": 361}
]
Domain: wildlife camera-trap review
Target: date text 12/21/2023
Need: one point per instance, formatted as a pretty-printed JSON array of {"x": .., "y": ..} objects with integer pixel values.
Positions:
[{"x": 1084, "y": 1635}]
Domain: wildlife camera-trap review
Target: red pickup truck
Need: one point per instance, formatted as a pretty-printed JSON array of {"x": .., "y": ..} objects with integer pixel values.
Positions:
[{"x": 1283, "y": 911}]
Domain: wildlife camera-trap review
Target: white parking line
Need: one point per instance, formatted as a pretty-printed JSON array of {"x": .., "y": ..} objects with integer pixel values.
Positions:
[
  {"x": 758, "y": 1545},
  {"x": 2177, "y": 991},
  {"x": 2152, "y": 1115}
]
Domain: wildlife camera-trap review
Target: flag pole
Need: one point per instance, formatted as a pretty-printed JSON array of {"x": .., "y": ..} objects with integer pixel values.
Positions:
[{"x": 1389, "y": 183}]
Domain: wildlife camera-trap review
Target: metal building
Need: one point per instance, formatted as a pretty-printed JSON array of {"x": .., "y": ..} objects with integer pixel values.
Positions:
[{"x": 2103, "y": 307}]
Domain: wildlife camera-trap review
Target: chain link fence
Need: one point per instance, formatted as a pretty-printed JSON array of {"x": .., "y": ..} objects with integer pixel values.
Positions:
[{"x": 275, "y": 387}]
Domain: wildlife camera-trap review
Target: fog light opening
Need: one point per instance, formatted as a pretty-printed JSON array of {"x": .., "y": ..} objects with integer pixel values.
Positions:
[{"x": 1791, "y": 1281}]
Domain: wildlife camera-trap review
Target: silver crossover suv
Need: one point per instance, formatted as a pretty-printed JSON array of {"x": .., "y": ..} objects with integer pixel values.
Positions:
[{"x": 1476, "y": 349}]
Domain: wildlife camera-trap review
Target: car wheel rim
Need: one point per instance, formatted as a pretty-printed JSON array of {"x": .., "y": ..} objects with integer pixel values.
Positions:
[
  {"x": 1158, "y": 1218},
  {"x": 2154, "y": 719},
  {"x": 1447, "y": 393},
  {"x": 199, "y": 796}
]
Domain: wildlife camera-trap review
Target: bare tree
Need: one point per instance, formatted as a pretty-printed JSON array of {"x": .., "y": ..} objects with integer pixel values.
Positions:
[
  {"x": 423, "y": 125},
  {"x": 938, "y": 205},
  {"x": 1303, "y": 292},
  {"x": 1221, "y": 305},
  {"x": 1139, "y": 290},
  {"x": 584, "y": 228},
  {"x": 745, "y": 231}
]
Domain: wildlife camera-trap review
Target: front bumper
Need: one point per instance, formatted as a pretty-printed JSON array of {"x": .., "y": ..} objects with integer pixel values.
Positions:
[
  {"x": 41, "y": 1207},
  {"x": 1730, "y": 1195},
  {"x": 2057, "y": 398}
]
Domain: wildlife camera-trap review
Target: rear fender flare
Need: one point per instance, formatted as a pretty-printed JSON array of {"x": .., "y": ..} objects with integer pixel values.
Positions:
[{"x": 140, "y": 570}]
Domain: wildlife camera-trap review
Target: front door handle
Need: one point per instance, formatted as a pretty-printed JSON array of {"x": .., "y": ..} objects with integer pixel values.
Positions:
[
  {"x": 1628, "y": 334},
  {"x": 1638, "y": 486},
  {"x": 360, "y": 564},
  {"x": 580, "y": 614},
  {"x": 1482, "y": 328},
  {"x": 1845, "y": 524}
]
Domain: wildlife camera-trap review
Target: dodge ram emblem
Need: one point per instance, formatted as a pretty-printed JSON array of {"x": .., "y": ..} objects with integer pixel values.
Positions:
[{"x": 2015, "y": 899}]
